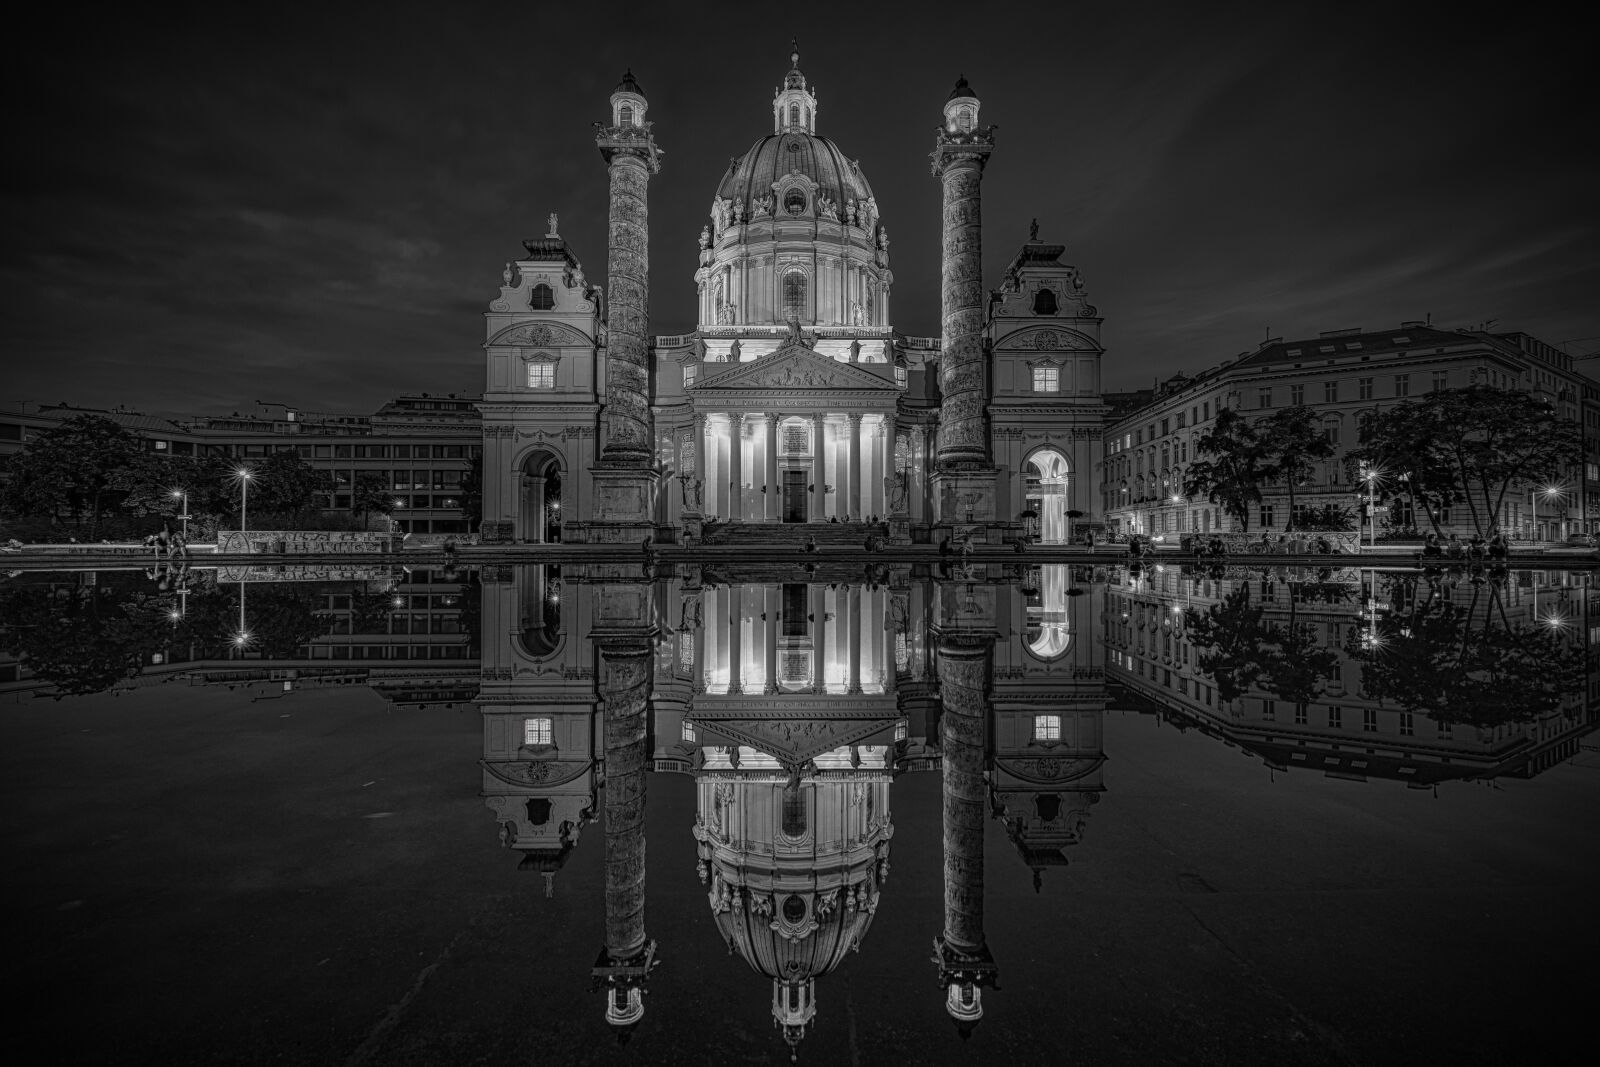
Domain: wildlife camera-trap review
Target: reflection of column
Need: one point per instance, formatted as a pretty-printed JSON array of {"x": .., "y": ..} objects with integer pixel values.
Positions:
[
  {"x": 698, "y": 636},
  {"x": 959, "y": 156},
  {"x": 624, "y": 691},
  {"x": 853, "y": 620},
  {"x": 965, "y": 963},
  {"x": 774, "y": 611},
  {"x": 736, "y": 465},
  {"x": 735, "y": 650},
  {"x": 819, "y": 472},
  {"x": 855, "y": 465},
  {"x": 819, "y": 639},
  {"x": 772, "y": 502}
]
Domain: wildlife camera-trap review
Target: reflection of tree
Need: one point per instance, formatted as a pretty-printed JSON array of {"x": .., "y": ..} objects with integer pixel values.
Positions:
[
  {"x": 281, "y": 619},
  {"x": 83, "y": 638},
  {"x": 1466, "y": 663},
  {"x": 1242, "y": 649}
]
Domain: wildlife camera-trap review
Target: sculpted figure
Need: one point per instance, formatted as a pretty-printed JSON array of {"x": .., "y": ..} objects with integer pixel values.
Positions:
[{"x": 705, "y": 237}]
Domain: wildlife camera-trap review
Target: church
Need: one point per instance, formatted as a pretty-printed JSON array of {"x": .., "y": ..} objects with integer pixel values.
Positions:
[{"x": 795, "y": 409}]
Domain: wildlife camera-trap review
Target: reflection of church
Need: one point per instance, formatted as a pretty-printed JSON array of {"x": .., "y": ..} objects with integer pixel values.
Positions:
[
  {"x": 794, "y": 401},
  {"x": 793, "y": 699}
]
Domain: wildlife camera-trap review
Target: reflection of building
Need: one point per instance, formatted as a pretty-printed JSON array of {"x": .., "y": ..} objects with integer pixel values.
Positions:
[
  {"x": 1346, "y": 376},
  {"x": 1332, "y": 726},
  {"x": 794, "y": 400}
]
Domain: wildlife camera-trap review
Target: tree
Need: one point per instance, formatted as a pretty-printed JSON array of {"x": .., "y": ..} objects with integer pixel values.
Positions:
[
  {"x": 1239, "y": 465},
  {"x": 286, "y": 483},
  {"x": 370, "y": 493},
  {"x": 1401, "y": 443},
  {"x": 472, "y": 493},
  {"x": 1293, "y": 443},
  {"x": 85, "y": 467},
  {"x": 1473, "y": 445}
]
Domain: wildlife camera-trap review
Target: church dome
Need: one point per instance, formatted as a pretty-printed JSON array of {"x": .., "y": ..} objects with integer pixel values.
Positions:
[{"x": 779, "y": 155}]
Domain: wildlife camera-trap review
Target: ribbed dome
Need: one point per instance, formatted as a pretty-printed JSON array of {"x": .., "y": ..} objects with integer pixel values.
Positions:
[
  {"x": 810, "y": 948},
  {"x": 793, "y": 152}
]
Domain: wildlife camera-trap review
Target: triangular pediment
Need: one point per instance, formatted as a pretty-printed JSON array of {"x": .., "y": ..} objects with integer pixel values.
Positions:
[{"x": 793, "y": 366}]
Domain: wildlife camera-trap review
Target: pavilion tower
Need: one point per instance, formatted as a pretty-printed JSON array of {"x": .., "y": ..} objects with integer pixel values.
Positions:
[{"x": 965, "y": 479}]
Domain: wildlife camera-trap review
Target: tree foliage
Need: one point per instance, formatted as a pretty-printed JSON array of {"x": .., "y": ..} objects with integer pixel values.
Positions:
[
  {"x": 1239, "y": 461},
  {"x": 78, "y": 470},
  {"x": 1293, "y": 443}
]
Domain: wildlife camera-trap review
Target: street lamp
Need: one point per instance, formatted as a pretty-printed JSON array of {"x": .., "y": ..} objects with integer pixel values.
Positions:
[
  {"x": 1549, "y": 492},
  {"x": 183, "y": 495},
  {"x": 1370, "y": 475},
  {"x": 244, "y": 474}
]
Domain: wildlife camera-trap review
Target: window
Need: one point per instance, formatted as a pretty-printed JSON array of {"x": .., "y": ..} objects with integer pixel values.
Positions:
[
  {"x": 1166, "y": 427},
  {"x": 1441, "y": 379},
  {"x": 542, "y": 298},
  {"x": 1330, "y": 392},
  {"x": 1364, "y": 388},
  {"x": 1044, "y": 302},
  {"x": 1402, "y": 385},
  {"x": 794, "y": 202},
  {"x": 1331, "y": 433},
  {"x": 688, "y": 731},
  {"x": 625, "y": 116},
  {"x": 1300, "y": 717},
  {"x": 1444, "y": 729},
  {"x": 538, "y": 731},
  {"x": 902, "y": 730},
  {"x": 1369, "y": 720},
  {"x": 1269, "y": 710},
  {"x": 541, "y": 375},
  {"x": 965, "y": 121},
  {"x": 1297, "y": 395},
  {"x": 1046, "y": 379},
  {"x": 1407, "y": 724},
  {"x": 1266, "y": 515},
  {"x": 794, "y": 114},
  {"x": 1047, "y": 727},
  {"x": 1335, "y": 718},
  {"x": 794, "y": 291},
  {"x": 1263, "y": 398}
]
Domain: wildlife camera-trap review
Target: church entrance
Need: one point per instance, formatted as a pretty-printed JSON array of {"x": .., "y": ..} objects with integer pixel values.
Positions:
[{"x": 794, "y": 496}]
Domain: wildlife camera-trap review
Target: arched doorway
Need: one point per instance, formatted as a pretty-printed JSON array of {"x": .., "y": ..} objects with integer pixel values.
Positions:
[
  {"x": 1047, "y": 494},
  {"x": 539, "y": 511}
]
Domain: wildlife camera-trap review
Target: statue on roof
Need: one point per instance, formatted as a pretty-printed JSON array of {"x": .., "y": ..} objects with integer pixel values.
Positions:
[
  {"x": 1033, "y": 230},
  {"x": 554, "y": 218}
]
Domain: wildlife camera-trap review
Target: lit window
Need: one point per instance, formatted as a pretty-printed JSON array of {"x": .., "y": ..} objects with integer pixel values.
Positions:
[
  {"x": 1046, "y": 379},
  {"x": 966, "y": 119},
  {"x": 794, "y": 114},
  {"x": 538, "y": 731},
  {"x": 1047, "y": 727},
  {"x": 688, "y": 731},
  {"x": 794, "y": 285},
  {"x": 900, "y": 730},
  {"x": 542, "y": 298},
  {"x": 541, "y": 375}
]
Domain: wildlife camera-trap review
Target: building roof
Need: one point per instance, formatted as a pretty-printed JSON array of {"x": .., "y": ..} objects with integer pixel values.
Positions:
[
  {"x": 628, "y": 84},
  {"x": 793, "y": 152},
  {"x": 962, "y": 89}
]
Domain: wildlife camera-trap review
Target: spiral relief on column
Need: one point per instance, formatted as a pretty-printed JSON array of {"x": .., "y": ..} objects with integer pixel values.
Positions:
[{"x": 624, "y": 692}]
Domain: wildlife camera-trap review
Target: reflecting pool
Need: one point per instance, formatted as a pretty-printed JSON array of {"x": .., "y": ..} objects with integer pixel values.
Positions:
[{"x": 834, "y": 811}]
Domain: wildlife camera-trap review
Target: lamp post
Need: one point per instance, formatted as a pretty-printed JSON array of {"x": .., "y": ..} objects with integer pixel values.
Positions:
[
  {"x": 244, "y": 474},
  {"x": 1370, "y": 476},
  {"x": 183, "y": 495},
  {"x": 1549, "y": 492}
]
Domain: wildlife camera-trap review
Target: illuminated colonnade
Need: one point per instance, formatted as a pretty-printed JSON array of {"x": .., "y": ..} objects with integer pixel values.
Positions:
[{"x": 795, "y": 468}]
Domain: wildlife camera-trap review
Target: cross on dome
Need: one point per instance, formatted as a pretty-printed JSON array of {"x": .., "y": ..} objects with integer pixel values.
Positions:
[{"x": 794, "y": 107}]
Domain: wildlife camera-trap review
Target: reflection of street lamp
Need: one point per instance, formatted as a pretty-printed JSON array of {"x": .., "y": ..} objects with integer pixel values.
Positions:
[
  {"x": 242, "y": 638},
  {"x": 183, "y": 495}
]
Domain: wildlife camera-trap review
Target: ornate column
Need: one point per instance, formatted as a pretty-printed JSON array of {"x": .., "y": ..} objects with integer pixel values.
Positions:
[
  {"x": 702, "y": 462},
  {"x": 963, "y": 455},
  {"x": 736, "y": 465},
  {"x": 773, "y": 504},
  {"x": 625, "y": 477},
  {"x": 819, "y": 638},
  {"x": 853, "y": 613},
  {"x": 965, "y": 962},
  {"x": 774, "y": 615},
  {"x": 819, "y": 470},
  {"x": 627, "y": 955},
  {"x": 855, "y": 465},
  {"x": 735, "y": 639}
]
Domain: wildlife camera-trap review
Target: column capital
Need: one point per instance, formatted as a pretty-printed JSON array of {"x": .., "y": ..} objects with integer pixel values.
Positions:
[
  {"x": 771, "y": 416},
  {"x": 854, "y": 417},
  {"x": 736, "y": 417}
]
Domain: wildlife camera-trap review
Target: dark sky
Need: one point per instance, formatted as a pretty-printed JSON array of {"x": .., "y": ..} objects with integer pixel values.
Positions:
[{"x": 312, "y": 203}]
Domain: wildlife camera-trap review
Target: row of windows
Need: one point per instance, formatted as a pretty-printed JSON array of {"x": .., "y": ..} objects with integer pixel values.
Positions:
[
  {"x": 331, "y": 451},
  {"x": 1369, "y": 719}
]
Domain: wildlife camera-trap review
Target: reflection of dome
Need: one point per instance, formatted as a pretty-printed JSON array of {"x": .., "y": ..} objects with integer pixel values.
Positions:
[{"x": 793, "y": 152}]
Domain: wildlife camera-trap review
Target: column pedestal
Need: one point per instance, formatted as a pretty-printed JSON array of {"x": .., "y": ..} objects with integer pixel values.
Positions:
[
  {"x": 624, "y": 504},
  {"x": 964, "y": 504}
]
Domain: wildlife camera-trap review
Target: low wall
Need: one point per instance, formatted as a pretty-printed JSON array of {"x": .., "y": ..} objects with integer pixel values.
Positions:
[{"x": 303, "y": 542}]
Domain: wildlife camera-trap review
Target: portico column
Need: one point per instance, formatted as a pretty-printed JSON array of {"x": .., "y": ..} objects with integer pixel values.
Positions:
[
  {"x": 736, "y": 464},
  {"x": 819, "y": 472},
  {"x": 771, "y": 509},
  {"x": 854, "y": 613},
  {"x": 891, "y": 463},
  {"x": 735, "y": 652},
  {"x": 773, "y": 613},
  {"x": 855, "y": 464},
  {"x": 819, "y": 638},
  {"x": 702, "y": 452}
]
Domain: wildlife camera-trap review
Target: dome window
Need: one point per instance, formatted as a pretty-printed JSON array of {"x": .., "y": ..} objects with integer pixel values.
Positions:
[
  {"x": 794, "y": 202},
  {"x": 626, "y": 116},
  {"x": 1044, "y": 302},
  {"x": 794, "y": 114},
  {"x": 794, "y": 909},
  {"x": 542, "y": 298},
  {"x": 794, "y": 295},
  {"x": 964, "y": 120}
]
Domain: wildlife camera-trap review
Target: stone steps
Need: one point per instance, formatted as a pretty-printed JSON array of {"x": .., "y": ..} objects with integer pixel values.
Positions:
[{"x": 794, "y": 533}]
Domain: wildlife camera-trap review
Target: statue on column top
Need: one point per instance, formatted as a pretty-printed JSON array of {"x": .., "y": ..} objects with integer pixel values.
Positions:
[{"x": 554, "y": 218}]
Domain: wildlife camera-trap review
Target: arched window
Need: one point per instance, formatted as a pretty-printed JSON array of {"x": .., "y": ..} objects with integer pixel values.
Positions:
[
  {"x": 794, "y": 295},
  {"x": 965, "y": 121},
  {"x": 542, "y": 298},
  {"x": 1044, "y": 302},
  {"x": 794, "y": 201},
  {"x": 626, "y": 115},
  {"x": 794, "y": 812},
  {"x": 794, "y": 114}
]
